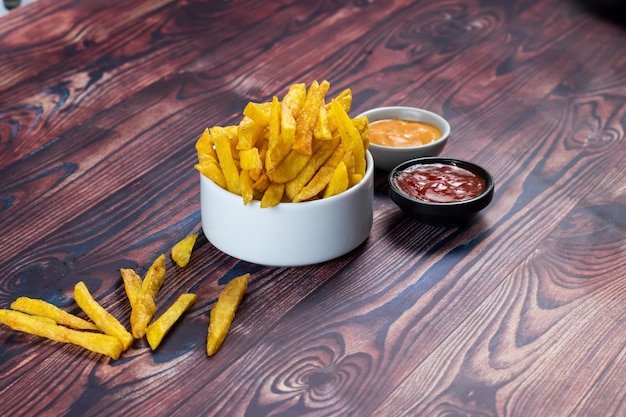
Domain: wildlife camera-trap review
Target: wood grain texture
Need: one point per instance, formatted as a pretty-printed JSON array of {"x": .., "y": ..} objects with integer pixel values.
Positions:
[{"x": 521, "y": 312}]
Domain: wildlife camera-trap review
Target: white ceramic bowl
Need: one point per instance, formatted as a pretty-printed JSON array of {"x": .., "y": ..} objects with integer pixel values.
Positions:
[
  {"x": 289, "y": 234},
  {"x": 388, "y": 157}
]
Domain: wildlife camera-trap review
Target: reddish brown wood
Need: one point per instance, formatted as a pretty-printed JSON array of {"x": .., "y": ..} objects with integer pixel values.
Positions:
[{"x": 519, "y": 313}]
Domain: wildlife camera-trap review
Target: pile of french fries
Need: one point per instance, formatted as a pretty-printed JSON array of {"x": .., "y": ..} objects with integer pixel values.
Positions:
[
  {"x": 297, "y": 149},
  {"x": 105, "y": 334}
]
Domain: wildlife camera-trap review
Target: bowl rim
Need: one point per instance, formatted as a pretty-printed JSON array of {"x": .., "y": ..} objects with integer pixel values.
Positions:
[
  {"x": 445, "y": 134},
  {"x": 476, "y": 203}
]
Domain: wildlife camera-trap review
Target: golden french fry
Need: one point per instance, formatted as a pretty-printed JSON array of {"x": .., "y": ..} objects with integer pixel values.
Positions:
[
  {"x": 322, "y": 177},
  {"x": 248, "y": 133},
  {"x": 305, "y": 123},
  {"x": 290, "y": 109},
  {"x": 161, "y": 326},
  {"x": 211, "y": 169},
  {"x": 132, "y": 284},
  {"x": 42, "y": 308},
  {"x": 223, "y": 312},
  {"x": 273, "y": 195},
  {"x": 363, "y": 126},
  {"x": 225, "y": 157},
  {"x": 322, "y": 127},
  {"x": 259, "y": 112},
  {"x": 145, "y": 307},
  {"x": 277, "y": 148},
  {"x": 261, "y": 184},
  {"x": 181, "y": 251},
  {"x": 293, "y": 163},
  {"x": 204, "y": 144},
  {"x": 103, "y": 319},
  {"x": 320, "y": 156},
  {"x": 247, "y": 193},
  {"x": 250, "y": 159},
  {"x": 95, "y": 342},
  {"x": 339, "y": 182},
  {"x": 350, "y": 136}
]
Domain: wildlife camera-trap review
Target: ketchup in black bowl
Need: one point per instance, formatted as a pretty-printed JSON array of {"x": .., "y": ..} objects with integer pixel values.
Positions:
[{"x": 440, "y": 189}]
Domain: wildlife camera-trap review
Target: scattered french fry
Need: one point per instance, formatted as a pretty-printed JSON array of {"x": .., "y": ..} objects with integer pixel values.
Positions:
[
  {"x": 42, "y": 308},
  {"x": 223, "y": 312},
  {"x": 132, "y": 284},
  {"x": 181, "y": 251},
  {"x": 161, "y": 326},
  {"x": 103, "y": 319},
  {"x": 95, "y": 342},
  {"x": 145, "y": 306}
]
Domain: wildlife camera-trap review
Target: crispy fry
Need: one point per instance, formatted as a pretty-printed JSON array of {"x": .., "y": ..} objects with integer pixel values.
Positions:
[
  {"x": 181, "y": 251},
  {"x": 161, "y": 326},
  {"x": 290, "y": 109},
  {"x": 132, "y": 284},
  {"x": 259, "y": 112},
  {"x": 318, "y": 159},
  {"x": 305, "y": 123},
  {"x": 223, "y": 312},
  {"x": 103, "y": 319},
  {"x": 273, "y": 195},
  {"x": 95, "y": 342},
  {"x": 350, "y": 137},
  {"x": 42, "y": 308},
  {"x": 145, "y": 306},
  {"x": 225, "y": 156},
  {"x": 278, "y": 145},
  {"x": 247, "y": 192},
  {"x": 339, "y": 182},
  {"x": 248, "y": 133},
  {"x": 322, "y": 176}
]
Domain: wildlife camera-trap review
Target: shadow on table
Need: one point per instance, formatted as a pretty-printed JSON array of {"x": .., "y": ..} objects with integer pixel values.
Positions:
[{"x": 610, "y": 10}]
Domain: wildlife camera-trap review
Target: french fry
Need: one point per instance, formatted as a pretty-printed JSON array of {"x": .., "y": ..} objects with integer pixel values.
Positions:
[
  {"x": 145, "y": 306},
  {"x": 350, "y": 136},
  {"x": 132, "y": 284},
  {"x": 320, "y": 156},
  {"x": 339, "y": 182},
  {"x": 161, "y": 326},
  {"x": 181, "y": 251},
  {"x": 250, "y": 160},
  {"x": 103, "y": 319},
  {"x": 247, "y": 193},
  {"x": 226, "y": 160},
  {"x": 95, "y": 342},
  {"x": 273, "y": 195},
  {"x": 223, "y": 312},
  {"x": 248, "y": 133},
  {"x": 290, "y": 109},
  {"x": 322, "y": 176},
  {"x": 42, "y": 308},
  {"x": 210, "y": 168},
  {"x": 278, "y": 147},
  {"x": 259, "y": 112},
  {"x": 305, "y": 123},
  {"x": 322, "y": 128}
]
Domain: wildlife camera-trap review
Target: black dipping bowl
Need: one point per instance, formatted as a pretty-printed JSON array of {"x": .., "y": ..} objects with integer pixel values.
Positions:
[{"x": 448, "y": 213}]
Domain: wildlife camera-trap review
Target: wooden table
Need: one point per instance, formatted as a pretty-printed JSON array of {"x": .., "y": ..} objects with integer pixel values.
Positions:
[{"x": 521, "y": 312}]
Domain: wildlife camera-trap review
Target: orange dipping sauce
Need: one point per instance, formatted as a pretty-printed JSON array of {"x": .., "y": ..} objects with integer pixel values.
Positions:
[{"x": 402, "y": 133}]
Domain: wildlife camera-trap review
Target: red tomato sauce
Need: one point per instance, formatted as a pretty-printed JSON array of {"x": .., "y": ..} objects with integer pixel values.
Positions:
[
  {"x": 401, "y": 133},
  {"x": 440, "y": 183}
]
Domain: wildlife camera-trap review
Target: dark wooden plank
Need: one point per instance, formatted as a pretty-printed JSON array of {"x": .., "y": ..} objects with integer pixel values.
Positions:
[{"x": 519, "y": 313}]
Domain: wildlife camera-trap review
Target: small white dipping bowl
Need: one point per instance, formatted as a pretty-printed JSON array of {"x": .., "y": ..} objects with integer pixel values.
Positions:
[
  {"x": 289, "y": 234},
  {"x": 388, "y": 157}
]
